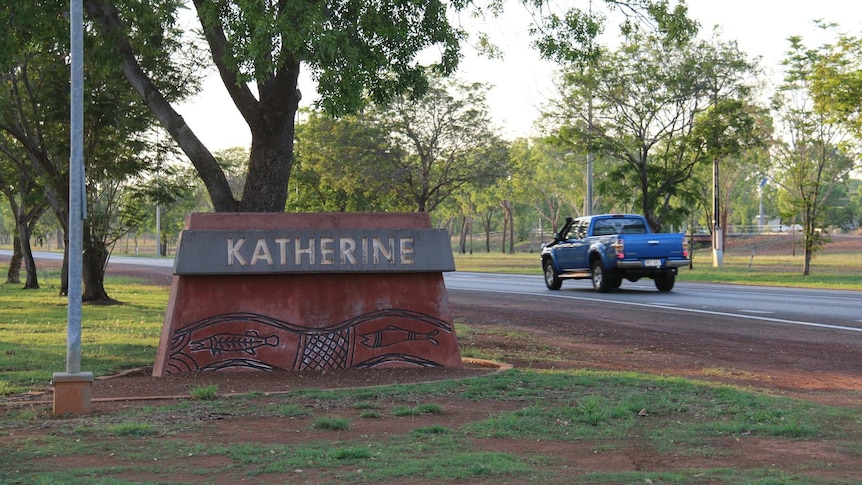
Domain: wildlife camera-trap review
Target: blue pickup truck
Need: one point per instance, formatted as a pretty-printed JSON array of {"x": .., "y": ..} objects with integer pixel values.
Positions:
[{"x": 607, "y": 248}]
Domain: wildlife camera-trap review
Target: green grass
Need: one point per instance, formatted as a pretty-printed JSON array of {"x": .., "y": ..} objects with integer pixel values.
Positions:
[
  {"x": 114, "y": 338},
  {"x": 331, "y": 424},
  {"x": 607, "y": 412},
  {"x": 204, "y": 392},
  {"x": 427, "y": 408},
  {"x": 834, "y": 271},
  {"x": 132, "y": 429}
]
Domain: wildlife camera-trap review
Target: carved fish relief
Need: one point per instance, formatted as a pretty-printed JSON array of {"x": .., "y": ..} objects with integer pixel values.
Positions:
[
  {"x": 232, "y": 342},
  {"x": 392, "y": 335}
]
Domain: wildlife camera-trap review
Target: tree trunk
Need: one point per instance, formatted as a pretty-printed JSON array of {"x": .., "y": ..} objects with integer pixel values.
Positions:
[
  {"x": 93, "y": 274},
  {"x": 462, "y": 240},
  {"x": 511, "y": 231},
  {"x": 64, "y": 269},
  {"x": 505, "y": 230},
  {"x": 270, "y": 116},
  {"x": 32, "y": 281},
  {"x": 14, "y": 273},
  {"x": 270, "y": 162},
  {"x": 486, "y": 224},
  {"x": 509, "y": 222},
  {"x": 806, "y": 267},
  {"x": 810, "y": 241},
  {"x": 95, "y": 259}
]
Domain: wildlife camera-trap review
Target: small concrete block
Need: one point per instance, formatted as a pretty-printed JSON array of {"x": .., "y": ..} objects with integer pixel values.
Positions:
[{"x": 73, "y": 393}]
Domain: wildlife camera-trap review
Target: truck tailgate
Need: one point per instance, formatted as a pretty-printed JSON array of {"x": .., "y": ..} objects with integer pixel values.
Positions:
[{"x": 653, "y": 246}]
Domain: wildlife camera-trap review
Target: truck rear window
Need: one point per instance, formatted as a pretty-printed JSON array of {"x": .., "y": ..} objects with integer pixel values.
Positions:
[{"x": 604, "y": 227}]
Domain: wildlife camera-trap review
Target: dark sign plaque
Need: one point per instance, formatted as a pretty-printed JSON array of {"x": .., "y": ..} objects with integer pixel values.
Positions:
[{"x": 313, "y": 251}]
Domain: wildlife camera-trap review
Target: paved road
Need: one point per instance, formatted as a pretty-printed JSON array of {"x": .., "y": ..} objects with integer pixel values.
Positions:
[
  {"x": 136, "y": 261},
  {"x": 831, "y": 310}
]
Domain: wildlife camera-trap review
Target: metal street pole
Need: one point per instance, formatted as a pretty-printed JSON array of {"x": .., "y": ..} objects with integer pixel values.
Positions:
[
  {"x": 588, "y": 209},
  {"x": 717, "y": 239},
  {"x": 159, "y": 230},
  {"x": 76, "y": 190},
  {"x": 73, "y": 388},
  {"x": 760, "y": 190}
]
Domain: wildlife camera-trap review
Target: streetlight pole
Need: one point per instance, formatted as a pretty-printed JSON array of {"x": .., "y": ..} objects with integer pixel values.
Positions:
[
  {"x": 760, "y": 191},
  {"x": 717, "y": 239},
  {"x": 588, "y": 205},
  {"x": 73, "y": 388}
]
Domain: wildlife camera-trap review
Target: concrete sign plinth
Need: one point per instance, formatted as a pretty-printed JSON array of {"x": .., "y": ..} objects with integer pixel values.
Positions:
[
  {"x": 308, "y": 292},
  {"x": 73, "y": 393}
]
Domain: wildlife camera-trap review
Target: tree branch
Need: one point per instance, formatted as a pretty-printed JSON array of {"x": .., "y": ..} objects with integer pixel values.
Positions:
[{"x": 107, "y": 18}]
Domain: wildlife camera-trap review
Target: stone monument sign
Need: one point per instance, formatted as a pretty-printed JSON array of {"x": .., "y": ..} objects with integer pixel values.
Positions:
[{"x": 264, "y": 291}]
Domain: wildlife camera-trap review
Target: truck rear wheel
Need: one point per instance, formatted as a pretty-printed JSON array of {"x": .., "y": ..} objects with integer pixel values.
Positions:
[
  {"x": 603, "y": 280},
  {"x": 552, "y": 280},
  {"x": 665, "y": 281}
]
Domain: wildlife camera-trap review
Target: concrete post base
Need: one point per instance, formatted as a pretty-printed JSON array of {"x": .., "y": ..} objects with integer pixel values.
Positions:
[{"x": 73, "y": 393}]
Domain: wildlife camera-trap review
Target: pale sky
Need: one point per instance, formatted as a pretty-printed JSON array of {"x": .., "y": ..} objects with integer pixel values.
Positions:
[{"x": 522, "y": 82}]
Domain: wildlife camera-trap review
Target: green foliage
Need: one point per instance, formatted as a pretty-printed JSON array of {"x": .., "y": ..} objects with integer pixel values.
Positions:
[
  {"x": 549, "y": 178},
  {"x": 644, "y": 106},
  {"x": 819, "y": 154},
  {"x": 356, "y": 51},
  {"x": 569, "y": 37},
  {"x": 410, "y": 154},
  {"x": 836, "y": 80},
  {"x": 342, "y": 165},
  {"x": 117, "y": 124},
  {"x": 358, "y": 47}
]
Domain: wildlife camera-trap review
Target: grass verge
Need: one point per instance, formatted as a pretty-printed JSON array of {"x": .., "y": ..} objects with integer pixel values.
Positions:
[{"x": 697, "y": 426}]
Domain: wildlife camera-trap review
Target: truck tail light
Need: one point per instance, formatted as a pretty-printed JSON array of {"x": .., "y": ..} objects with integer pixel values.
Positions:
[{"x": 619, "y": 246}]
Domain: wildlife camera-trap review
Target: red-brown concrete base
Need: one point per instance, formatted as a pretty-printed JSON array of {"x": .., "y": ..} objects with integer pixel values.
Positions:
[
  {"x": 311, "y": 321},
  {"x": 73, "y": 393}
]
